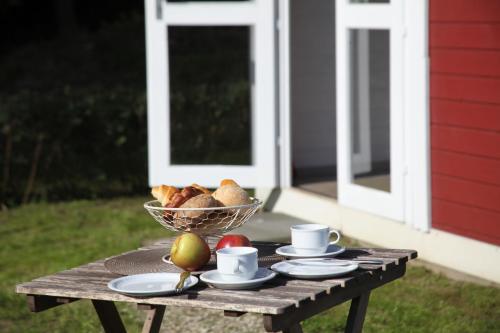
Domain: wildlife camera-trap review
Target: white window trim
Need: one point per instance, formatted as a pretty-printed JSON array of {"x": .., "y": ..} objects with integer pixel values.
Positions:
[{"x": 256, "y": 14}]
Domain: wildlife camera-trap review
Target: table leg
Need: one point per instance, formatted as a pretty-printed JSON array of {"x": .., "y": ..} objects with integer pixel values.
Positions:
[
  {"x": 357, "y": 313},
  {"x": 295, "y": 328},
  {"x": 109, "y": 316},
  {"x": 154, "y": 317}
]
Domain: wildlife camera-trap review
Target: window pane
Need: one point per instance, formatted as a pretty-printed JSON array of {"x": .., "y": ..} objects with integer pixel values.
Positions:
[
  {"x": 370, "y": 1},
  {"x": 206, "y": 0},
  {"x": 210, "y": 95},
  {"x": 370, "y": 108}
]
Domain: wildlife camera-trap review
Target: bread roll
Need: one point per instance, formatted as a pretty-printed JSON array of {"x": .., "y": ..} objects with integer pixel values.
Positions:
[
  {"x": 225, "y": 182},
  {"x": 232, "y": 195},
  {"x": 199, "y": 201}
]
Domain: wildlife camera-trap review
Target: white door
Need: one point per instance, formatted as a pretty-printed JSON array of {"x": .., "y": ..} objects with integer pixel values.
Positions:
[
  {"x": 370, "y": 120},
  {"x": 211, "y": 92}
]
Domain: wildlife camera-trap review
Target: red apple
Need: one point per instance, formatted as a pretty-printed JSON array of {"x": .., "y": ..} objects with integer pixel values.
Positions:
[{"x": 232, "y": 241}]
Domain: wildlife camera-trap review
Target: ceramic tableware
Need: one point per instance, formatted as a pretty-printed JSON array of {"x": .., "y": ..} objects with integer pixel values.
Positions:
[
  {"x": 310, "y": 239},
  {"x": 214, "y": 279},
  {"x": 312, "y": 269},
  {"x": 237, "y": 263},
  {"x": 289, "y": 252},
  {"x": 150, "y": 284}
]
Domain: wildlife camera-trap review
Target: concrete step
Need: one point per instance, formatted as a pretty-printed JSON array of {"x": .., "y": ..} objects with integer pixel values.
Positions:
[{"x": 268, "y": 226}]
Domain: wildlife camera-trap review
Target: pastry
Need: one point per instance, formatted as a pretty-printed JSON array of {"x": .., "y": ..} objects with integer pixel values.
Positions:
[
  {"x": 164, "y": 193},
  {"x": 201, "y": 188},
  {"x": 232, "y": 195},
  {"x": 178, "y": 199}
]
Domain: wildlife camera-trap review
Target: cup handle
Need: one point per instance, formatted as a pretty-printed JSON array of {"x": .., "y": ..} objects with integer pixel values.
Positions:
[
  {"x": 332, "y": 231},
  {"x": 235, "y": 267}
]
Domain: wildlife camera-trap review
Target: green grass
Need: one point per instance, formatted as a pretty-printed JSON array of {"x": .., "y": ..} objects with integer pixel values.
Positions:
[{"x": 40, "y": 239}]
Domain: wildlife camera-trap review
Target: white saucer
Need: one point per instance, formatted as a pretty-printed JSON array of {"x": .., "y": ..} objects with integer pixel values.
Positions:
[
  {"x": 150, "y": 284},
  {"x": 289, "y": 252},
  {"x": 312, "y": 269},
  {"x": 213, "y": 278}
]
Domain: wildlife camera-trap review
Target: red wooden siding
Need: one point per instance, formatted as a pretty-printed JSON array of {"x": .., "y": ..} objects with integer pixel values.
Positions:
[{"x": 465, "y": 117}]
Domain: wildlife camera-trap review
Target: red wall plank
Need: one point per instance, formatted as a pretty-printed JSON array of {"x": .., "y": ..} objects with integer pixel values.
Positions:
[
  {"x": 467, "y": 167},
  {"x": 464, "y": 10},
  {"x": 466, "y": 192},
  {"x": 464, "y": 38},
  {"x": 460, "y": 88},
  {"x": 460, "y": 35},
  {"x": 465, "y": 114},
  {"x": 468, "y": 141},
  {"x": 466, "y": 221},
  {"x": 466, "y": 62}
]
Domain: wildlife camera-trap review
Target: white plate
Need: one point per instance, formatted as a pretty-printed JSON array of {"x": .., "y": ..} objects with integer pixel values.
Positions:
[
  {"x": 213, "y": 278},
  {"x": 150, "y": 284},
  {"x": 312, "y": 269},
  {"x": 289, "y": 252}
]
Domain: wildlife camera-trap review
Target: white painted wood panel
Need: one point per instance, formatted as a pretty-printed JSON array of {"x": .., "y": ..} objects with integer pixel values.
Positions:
[{"x": 259, "y": 15}]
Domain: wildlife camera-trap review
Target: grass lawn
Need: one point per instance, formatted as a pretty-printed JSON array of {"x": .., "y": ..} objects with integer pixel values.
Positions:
[{"x": 40, "y": 239}]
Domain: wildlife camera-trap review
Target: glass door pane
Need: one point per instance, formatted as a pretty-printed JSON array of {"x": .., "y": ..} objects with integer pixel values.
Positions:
[
  {"x": 210, "y": 95},
  {"x": 370, "y": 108}
]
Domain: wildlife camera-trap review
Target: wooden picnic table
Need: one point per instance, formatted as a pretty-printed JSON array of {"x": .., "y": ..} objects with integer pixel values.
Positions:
[{"x": 283, "y": 301}]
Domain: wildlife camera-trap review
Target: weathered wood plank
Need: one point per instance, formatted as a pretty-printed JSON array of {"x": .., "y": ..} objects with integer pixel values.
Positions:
[
  {"x": 233, "y": 313},
  {"x": 39, "y": 303},
  {"x": 109, "y": 316},
  {"x": 278, "y": 296},
  {"x": 185, "y": 299},
  {"x": 273, "y": 323},
  {"x": 273, "y": 293},
  {"x": 357, "y": 313},
  {"x": 153, "y": 320},
  {"x": 295, "y": 328},
  {"x": 100, "y": 285}
]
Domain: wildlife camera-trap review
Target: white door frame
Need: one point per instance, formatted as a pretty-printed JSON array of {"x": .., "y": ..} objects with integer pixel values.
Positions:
[
  {"x": 260, "y": 16},
  {"x": 417, "y": 194},
  {"x": 408, "y": 22},
  {"x": 388, "y": 17},
  {"x": 417, "y": 115},
  {"x": 285, "y": 125}
]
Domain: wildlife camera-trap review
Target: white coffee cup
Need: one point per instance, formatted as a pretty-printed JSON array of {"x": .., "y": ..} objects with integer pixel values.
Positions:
[
  {"x": 237, "y": 263},
  {"x": 312, "y": 238}
]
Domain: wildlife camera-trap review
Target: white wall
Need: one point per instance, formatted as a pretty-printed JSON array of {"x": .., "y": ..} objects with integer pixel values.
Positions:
[
  {"x": 313, "y": 86},
  {"x": 313, "y": 82}
]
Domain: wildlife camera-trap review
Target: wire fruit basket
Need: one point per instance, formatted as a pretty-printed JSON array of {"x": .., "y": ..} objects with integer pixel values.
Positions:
[{"x": 212, "y": 221}]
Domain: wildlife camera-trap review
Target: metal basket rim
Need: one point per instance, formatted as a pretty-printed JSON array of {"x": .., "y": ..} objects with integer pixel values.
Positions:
[{"x": 255, "y": 204}]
